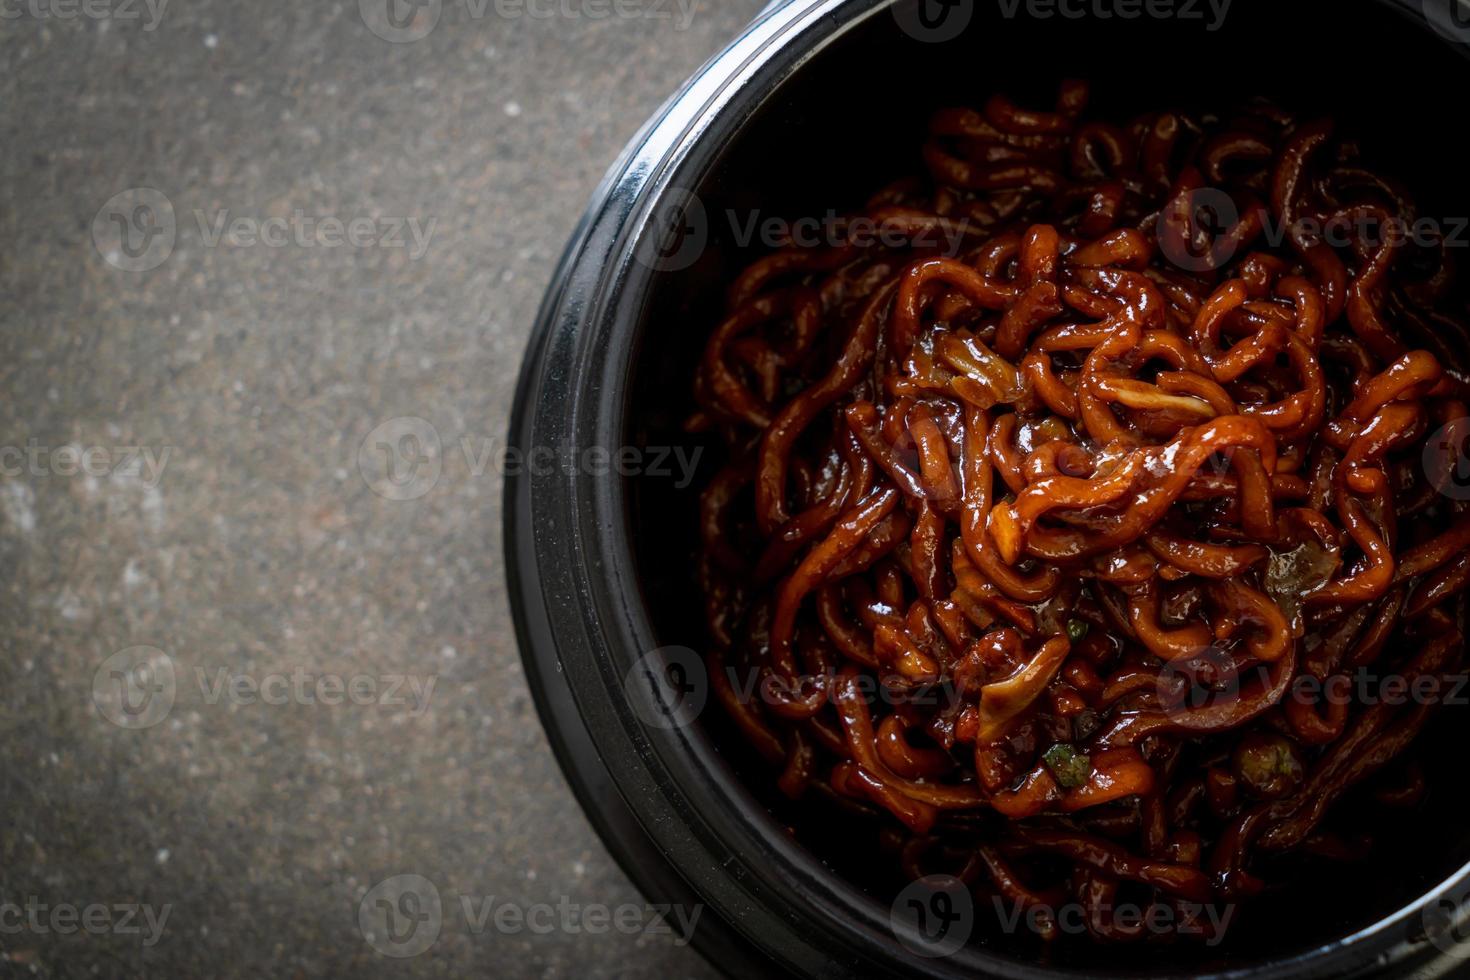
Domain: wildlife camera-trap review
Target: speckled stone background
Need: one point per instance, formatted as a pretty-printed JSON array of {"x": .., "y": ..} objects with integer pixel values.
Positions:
[{"x": 250, "y": 543}]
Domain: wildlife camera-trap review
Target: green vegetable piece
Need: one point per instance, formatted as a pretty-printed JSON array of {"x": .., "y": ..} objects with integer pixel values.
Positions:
[{"x": 1072, "y": 768}]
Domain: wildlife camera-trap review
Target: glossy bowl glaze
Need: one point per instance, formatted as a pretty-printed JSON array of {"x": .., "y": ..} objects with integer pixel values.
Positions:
[{"x": 814, "y": 105}]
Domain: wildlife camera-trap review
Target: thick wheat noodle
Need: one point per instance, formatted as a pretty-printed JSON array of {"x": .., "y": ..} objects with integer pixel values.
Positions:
[{"x": 1050, "y": 537}]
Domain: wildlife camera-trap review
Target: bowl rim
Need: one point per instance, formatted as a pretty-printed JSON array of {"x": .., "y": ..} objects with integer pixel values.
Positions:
[{"x": 581, "y": 633}]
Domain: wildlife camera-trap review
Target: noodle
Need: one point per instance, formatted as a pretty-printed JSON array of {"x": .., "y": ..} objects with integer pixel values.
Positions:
[{"x": 1057, "y": 549}]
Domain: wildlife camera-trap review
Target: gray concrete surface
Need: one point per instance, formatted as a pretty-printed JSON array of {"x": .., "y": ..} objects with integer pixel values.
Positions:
[{"x": 215, "y": 666}]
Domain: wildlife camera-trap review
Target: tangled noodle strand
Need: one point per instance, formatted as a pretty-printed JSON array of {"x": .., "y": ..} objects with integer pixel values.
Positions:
[{"x": 1053, "y": 532}]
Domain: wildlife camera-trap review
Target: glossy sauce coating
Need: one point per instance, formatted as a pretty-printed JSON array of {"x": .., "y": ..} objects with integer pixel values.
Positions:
[{"x": 1053, "y": 536}]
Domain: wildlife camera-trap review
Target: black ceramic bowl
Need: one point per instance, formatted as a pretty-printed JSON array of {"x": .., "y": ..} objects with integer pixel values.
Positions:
[{"x": 812, "y": 107}]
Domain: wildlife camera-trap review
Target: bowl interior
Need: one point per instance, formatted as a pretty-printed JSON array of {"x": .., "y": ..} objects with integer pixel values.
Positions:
[{"x": 852, "y": 119}]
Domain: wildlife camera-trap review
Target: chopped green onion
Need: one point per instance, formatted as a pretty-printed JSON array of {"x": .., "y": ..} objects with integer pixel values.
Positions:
[
  {"x": 1268, "y": 764},
  {"x": 1072, "y": 768},
  {"x": 1076, "y": 629}
]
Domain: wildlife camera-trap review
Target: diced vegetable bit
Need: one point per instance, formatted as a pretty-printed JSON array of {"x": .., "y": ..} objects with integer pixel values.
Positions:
[
  {"x": 1076, "y": 629},
  {"x": 1070, "y": 767},
  {"x": 1084, "y": 723},
  {"x": 1291, "y": 575},
  {"x": 1268, "y": 764}
]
